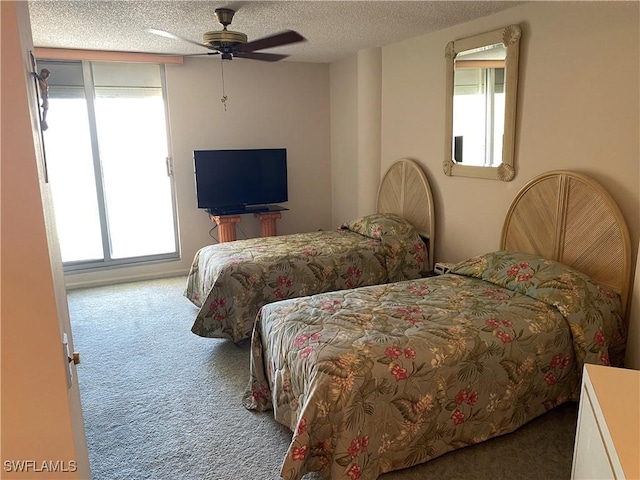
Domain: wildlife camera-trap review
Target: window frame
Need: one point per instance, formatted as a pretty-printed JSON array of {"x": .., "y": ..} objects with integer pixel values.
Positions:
[{"x": 107, "y": 262}]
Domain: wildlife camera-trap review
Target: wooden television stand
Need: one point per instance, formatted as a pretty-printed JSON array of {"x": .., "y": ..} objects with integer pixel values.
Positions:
[{"x": 226, "y": 220}]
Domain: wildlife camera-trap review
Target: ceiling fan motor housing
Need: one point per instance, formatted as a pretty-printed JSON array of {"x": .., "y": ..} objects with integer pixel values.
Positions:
[
  {"x": 230, "y": 43},
  {"x": 224, "y": 41},
  {"x": 224, "y": 38}
]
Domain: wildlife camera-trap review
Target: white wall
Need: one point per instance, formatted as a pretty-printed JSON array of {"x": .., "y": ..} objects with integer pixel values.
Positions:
[
  {"x": 344, "y": 140},
  {"x": 579, "y": 109},
  {"x": 270, "y": 105},
  {"x": 591, "y": 125},
  {"x": 356, "y": 95},
  {"x": 369, "y": 128}
]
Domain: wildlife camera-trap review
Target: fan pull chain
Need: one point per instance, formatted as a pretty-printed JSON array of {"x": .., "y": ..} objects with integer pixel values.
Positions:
[{"x": 224, "y": 97}]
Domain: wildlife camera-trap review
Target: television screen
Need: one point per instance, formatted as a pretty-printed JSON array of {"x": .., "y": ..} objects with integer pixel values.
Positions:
[{"x": 228, "y": 181}]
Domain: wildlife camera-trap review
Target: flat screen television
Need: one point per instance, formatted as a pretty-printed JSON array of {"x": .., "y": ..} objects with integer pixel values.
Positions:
[{"x": 233, "y": 181}]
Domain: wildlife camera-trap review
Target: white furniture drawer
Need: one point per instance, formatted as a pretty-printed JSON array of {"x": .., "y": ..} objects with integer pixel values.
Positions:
[{"x": 607, "y": 441}]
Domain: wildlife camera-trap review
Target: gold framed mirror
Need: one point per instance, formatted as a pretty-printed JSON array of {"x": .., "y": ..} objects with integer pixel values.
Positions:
[{"x": 481, "y": 97}]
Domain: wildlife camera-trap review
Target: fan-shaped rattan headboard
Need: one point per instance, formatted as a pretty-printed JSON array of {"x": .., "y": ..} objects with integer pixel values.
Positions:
[
  {"x": 405, "y": 191},
  {"x": 571, "y": 218}
]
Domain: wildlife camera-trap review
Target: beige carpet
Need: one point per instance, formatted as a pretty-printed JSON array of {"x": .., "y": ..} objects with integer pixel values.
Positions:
[{"x": 162, "y": 403}]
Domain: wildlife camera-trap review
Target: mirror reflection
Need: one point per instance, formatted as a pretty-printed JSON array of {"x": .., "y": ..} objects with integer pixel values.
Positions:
[
  {"x": 478, "y": 106},
  {"x": 482, "y": 76}
]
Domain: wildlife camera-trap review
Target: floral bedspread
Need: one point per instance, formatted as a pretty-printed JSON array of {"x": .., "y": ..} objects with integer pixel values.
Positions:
[
  {"x": 231, "y": 281},
  {"x": 384, "y": 377}
]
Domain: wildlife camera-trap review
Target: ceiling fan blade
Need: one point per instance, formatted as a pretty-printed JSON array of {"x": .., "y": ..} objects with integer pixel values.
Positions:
[
  {"x": 283, "y": 38},
  {"x": 173, "y": 36},
  {"x": 206, "y": 54},
  {"x": 265, "y": 57}
]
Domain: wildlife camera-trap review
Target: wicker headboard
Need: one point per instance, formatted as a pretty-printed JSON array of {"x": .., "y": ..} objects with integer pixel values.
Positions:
[
  {"x": 570, "y": 218},
  {"x": 405, "y": 191}
]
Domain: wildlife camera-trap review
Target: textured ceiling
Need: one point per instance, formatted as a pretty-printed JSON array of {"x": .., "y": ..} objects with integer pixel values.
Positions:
[{"x": 334, "y": 29}]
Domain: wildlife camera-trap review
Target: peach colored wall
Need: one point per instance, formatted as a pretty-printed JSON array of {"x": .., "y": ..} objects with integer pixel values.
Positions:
[
  {"x": 269, "y": 105},
  {"x": 38, "y": 416},
  {"x": 579, "y": 109}
]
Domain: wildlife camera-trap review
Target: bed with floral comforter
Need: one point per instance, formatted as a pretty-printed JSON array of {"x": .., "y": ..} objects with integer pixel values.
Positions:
[
  {"x": 385, "y": 377},
  {"x": 231, "y": 281}
]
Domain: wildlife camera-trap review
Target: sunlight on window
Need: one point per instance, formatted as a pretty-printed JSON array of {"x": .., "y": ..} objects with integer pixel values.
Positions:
[
  {"x": 133, "y": 150},
  {"x": 106, "y": 149},
  {"x": 478, "y": 114},
  {"x": 469, "y": 112},
  {"x": 72, "y": 180}
]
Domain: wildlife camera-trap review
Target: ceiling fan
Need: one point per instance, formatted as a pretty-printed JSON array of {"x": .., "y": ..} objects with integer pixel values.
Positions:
[{"x": 232, "y": 44}]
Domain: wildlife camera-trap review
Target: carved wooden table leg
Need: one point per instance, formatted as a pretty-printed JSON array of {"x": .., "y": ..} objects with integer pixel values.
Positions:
[
  {"x": 268, "y": 223},
  {"x": 227, "y": 225}
]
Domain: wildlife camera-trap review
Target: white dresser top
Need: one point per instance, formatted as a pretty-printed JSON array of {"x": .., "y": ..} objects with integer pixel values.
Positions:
[{"x": 618, "y": 393}]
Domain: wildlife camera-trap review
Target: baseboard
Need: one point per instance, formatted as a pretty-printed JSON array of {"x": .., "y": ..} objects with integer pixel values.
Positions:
[{"x": 70, "y": 285}]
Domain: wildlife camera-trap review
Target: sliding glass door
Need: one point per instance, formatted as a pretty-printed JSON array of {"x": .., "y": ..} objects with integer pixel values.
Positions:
[{"x": 106, "y": 147}]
